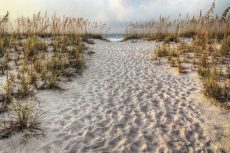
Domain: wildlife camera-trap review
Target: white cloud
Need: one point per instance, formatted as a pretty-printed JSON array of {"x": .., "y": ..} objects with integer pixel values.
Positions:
[{"x": 113, "y": 12}]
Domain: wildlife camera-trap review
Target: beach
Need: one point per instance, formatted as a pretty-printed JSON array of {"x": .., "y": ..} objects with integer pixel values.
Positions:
[{"x": 124, "y": 102}]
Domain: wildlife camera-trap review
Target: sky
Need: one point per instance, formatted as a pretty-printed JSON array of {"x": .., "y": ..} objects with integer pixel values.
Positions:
[{"x": 115, "y": 13}]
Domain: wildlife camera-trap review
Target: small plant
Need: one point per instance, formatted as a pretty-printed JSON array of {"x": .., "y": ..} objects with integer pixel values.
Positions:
[
  {"x": 29, "y": 48},
  {"x": 79, "y": 61},
  {"x": 173, "y": 62},
  {"x": 57, "y": 63},
  {"x": 203, "y": 61},
  {"x": 50, "y": 80},
  {"x": 41, "y": 46},
  {"x": 4, "y": 62},
  {"x": 203, "y": 71},
  {"x": 38, "y": 63},
  {"x": 215, "y": 56},
  {"x": 225, "y": 50},
  {"x": 8, "y": 88},
  {"x": 216, "y": 73},
  {"x": 181, "y": 69},
  {"x": 25, "y": 115},
  {"x": 211, "y": 87},
  {"x": 169, "y": 59},
  {"x": 1, "y": 47},
  {"x": 194, "y": 63},
  {"x": 171, "y": 38},
  {"x": 203, "y": 65},
  {"x": 196, "y": 51},
  {"x": 174, "y": 52},
  {"x": 33, "y": 76},
  {"x": 155, "y": 58},
  {"x": 184, "y": 48},
  {"x": 24, "y": 88},
  {"x": 226, "y": 92},
  {"x": 162, "y": 51},
  {"x": 228, "y": 71}
]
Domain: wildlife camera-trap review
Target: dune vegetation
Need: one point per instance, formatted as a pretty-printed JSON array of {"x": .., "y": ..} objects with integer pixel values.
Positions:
[
  {"x": 168, "y": 30},
  {"x": 199, "y": 44},
  {"x": 37, "y": 53}
]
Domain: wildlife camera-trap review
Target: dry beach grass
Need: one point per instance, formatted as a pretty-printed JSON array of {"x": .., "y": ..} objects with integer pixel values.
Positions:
[
  {"x": 36, "y": 54},
  {"x": 208, "y": 52}
]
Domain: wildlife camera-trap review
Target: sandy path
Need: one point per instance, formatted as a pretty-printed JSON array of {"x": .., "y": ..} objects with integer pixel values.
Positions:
[{"x": 121, "y": 103}]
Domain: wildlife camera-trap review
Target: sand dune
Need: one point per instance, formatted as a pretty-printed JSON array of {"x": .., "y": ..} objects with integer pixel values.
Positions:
[{"x": 122, "y": 102}]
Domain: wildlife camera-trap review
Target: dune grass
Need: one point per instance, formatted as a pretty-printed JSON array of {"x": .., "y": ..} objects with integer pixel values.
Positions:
[
  {"x": 208, "y": 52},
  {"x": 37, "y": 53},
  {"x": 168, "y": 30}
]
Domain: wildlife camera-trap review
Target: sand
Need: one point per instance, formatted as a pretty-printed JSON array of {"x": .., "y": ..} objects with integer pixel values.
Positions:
[{"x": 123, "y": 102}]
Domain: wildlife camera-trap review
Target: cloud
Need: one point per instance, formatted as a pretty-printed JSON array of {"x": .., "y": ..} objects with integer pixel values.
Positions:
[{"x": 116, "y": 13}]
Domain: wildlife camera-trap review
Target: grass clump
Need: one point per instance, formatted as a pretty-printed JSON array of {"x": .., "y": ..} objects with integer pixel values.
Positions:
[
  {"x": 181, "y": 68},
  {"x": 213, "y": 89},
  {"x": 4, "y": 63},
  {"x": 50, "y": 81},
  {"x": 225, "y": 50},
  {"x": 163, "y": 51},
  {"x": 26, "y": 114},
  {"x": 23, "y": 116},
  {"x": 24, "y": 87},
  {"x": 203, "y": 65},
  {"x": 8, "y": 88},
  {"x": 228, "y": 71}
]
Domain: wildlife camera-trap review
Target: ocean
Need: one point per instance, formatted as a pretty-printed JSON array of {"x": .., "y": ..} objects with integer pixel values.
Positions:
[{"x": 115, "y": 37}]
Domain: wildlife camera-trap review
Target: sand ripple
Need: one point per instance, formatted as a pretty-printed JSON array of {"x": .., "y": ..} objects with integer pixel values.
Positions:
[{"x": 123, "y": 103}]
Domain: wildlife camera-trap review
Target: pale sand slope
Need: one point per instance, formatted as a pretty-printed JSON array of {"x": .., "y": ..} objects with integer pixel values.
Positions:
[{"x": 123, "y": 102}]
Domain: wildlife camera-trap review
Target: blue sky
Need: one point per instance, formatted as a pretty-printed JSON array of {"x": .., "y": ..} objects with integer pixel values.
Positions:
[{"x": 115, "y": 13}]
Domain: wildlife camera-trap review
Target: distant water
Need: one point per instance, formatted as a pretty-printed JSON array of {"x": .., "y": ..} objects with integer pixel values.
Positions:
[{"x": 115, "y": 37}]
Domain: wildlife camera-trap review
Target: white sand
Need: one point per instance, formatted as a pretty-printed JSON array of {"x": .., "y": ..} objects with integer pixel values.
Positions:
[{"x": 124, "y": 103}]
